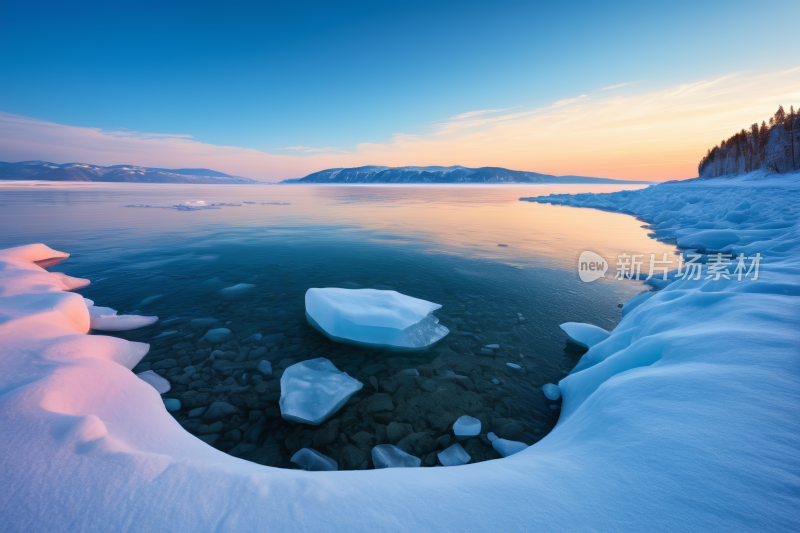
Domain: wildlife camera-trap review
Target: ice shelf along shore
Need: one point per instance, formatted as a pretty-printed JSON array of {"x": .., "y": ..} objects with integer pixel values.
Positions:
[{"x": 687, "y": 418}]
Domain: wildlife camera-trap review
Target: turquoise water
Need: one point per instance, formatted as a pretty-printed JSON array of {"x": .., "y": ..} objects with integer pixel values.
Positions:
[{"x": 438, "y": 243}]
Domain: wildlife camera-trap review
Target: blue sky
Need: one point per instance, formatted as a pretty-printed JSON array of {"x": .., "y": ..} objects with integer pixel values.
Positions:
[{"x": 330, "y": 75}]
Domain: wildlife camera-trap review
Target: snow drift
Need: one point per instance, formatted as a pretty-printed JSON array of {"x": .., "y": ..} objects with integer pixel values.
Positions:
[{"x": 686, "y": 418}]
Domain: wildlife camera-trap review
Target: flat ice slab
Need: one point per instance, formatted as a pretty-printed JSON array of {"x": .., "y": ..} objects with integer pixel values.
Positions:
[
  {"x": 508, "y": 447},
  {"x": 585, "y": 335},
  {"x": 313, "y": 461},
  {"x": 388, "y": 456},
  {"x": 313, "y": 390},
  {"x": 454, "y": 455},
  {"x": 374, "y": 317},
  {"x": 467, "y": 426},
  {"x": 106, "y": 319}
]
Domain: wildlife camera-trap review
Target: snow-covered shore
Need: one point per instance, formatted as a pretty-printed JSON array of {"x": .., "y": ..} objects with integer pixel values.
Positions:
[{"x": 686, "y": 418}]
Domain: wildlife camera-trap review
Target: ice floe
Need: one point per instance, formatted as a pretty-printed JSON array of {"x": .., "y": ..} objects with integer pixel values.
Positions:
[
  {"x": 313, "y": 390},
  {"x": 508, "y": 447},
  {"x": 388, "y": 456},
  {"x": 552, "y": 392},
  {"x": 160, "y": 384},
  {"x": 454, "y": 455},
  {"x": 374, "y": 317},
  {"x": 106, "y": 319},
  {"x": 313, "y": 461},
  {"x": 585, "y": 335},
  {"x": 467, "y": 426}
]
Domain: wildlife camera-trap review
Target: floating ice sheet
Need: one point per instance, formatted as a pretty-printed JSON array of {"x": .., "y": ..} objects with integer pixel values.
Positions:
[
  {"x": 313, "y": 390},
  {"x": 454, "y": 455},
  {"x": 388, "y": 456},
  {"x": 374, "y": 317},
  {"x": 585, "y": 335},
  {"x": 313, "y": 461}
]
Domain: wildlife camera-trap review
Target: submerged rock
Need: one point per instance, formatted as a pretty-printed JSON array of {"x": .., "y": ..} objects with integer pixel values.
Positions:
[
  {"x": 218, "y": 335},
  {"x": 313, "y": 390},
  {"x": 388, "y": 456},
  {"x": 374, "y": 317},
  {"x": 172, "y": 404}
]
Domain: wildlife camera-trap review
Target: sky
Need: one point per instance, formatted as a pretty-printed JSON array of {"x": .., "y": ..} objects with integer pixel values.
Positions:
[{"x": 275, "y": 90}]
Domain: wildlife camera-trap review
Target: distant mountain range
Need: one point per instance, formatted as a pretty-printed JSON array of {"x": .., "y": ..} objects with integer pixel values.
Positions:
[
  {"x": 42, "y": 170},
  {"x": 455, "y": 174}
]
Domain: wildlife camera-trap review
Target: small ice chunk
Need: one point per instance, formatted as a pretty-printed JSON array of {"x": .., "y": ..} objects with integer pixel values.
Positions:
[
  {"x": 265, "y": 367},
  {"x": 374, "y": 317},
  {"x": 491, "y": 436},
  {"x": 388, "y": 456},
  {"x": 552, "y": 392},
  {"x": 492, "y": 346},
  {"x": 467, "y": 426},
  {"x": 508, "y": 447},
  {"x": 237, "y": 290},
  {"x": 514, "y": 365},
  {"x": 156, "y": 381},
  {"x": 215, "y": 336},
  {"x": 496, "y": 381},
  {"x": 172, "y": 404},
  {"x": 313, "y": 461},
  {"x": 311, "y": 391},
  {"x": 585, "y": 335},
  {"x": 454, "y": 455},
  {"x": 106, "y": 319}
]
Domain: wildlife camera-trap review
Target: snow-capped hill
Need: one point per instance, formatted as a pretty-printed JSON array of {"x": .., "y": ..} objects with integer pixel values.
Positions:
[
  {"x": 434, "y": 174},
  {"x": 46, "y": 171}
]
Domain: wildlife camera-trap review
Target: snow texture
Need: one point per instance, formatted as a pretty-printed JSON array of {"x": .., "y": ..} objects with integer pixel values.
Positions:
[
  {"x": 313, "y": 390},
  {"x": 467, "y": 426},
  {"x": 664, "y": 425},
  {"x": 388, "y": 456},
  {"x": 585, "y": 335},
  {"x": 313, "y": 461},
  {"x": 374, "y": 317}
]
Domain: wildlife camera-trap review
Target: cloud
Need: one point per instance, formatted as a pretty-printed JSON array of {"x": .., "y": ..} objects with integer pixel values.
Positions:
[
  {"x": 469, "y": 114},
  {"x": 619, "y": 85},
  {"x": 657, "y": 134}
]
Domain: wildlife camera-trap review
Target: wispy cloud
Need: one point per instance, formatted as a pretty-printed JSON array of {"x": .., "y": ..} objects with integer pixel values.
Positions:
[
  {"x": 469, "y": 114},
  {"x": 655, "y": 134},
  {"x": 619, "y": 85},
  {"x": 310, "y": 150}
]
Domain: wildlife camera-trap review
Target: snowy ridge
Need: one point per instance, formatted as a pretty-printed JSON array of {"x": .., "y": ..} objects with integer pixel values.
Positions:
[
  {"x": 685, "y": 419},
  {"x": 435, "y": 174}
]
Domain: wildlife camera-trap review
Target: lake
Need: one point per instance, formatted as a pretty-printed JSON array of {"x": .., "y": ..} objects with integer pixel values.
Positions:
[{"x": 504, "y": 272}]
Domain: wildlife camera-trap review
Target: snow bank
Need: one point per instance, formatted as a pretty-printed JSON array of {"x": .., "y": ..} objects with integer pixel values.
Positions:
[
  {"x": 665, "y": 425},
  {"x": 374, "y": 317}
]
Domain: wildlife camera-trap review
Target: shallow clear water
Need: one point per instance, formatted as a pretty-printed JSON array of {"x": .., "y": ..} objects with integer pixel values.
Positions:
[{"x": 439, "y": 243}]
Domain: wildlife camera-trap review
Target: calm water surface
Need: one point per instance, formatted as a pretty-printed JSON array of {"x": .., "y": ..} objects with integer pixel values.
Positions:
[{"x": 439, "y": 243}]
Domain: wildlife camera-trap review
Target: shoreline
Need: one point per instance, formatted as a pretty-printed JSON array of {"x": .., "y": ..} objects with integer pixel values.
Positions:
[{"x": 666, "y": 414}]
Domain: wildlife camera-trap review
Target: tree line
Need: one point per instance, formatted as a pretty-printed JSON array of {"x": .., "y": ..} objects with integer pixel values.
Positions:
[{"x": 774, "y": 146}]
